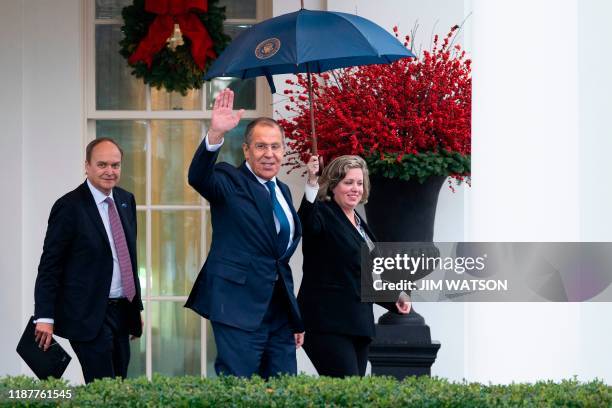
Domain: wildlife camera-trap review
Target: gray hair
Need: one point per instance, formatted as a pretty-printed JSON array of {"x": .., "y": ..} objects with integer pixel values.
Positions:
[
  {"x": 91, "y": 145},
  {"x": 336, "y": 171},
  {"x": 264, "y": 121}
]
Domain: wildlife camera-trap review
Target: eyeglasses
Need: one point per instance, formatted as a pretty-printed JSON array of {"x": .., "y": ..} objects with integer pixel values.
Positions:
[{"x": 262, "y": 147}]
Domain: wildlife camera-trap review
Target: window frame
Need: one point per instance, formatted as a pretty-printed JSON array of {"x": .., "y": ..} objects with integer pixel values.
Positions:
[{"x": 263, "y": 103}]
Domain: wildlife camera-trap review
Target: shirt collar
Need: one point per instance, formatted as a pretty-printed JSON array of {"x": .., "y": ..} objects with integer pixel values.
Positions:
[
  {"x": 262, "y": 181},
  {"x": 98, "y": 196}
]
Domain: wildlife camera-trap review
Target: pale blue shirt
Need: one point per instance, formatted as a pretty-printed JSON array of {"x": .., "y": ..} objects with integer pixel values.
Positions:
[
  {"x": 116, "y": 290},
  {"x": 279, "y": 195}
]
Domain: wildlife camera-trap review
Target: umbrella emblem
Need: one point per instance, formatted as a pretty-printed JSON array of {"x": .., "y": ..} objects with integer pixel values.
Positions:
[{"x": 267, "y": 48}]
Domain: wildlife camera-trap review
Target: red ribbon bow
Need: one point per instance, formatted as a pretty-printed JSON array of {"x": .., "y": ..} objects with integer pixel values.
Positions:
[{"x": 168, "y": 13}]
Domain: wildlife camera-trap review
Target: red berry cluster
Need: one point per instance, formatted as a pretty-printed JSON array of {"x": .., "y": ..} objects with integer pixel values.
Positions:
[{"x": 411, "y": 106}]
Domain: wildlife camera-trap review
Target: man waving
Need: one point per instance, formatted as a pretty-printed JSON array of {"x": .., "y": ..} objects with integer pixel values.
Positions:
[{"x": 245, "y": 288}]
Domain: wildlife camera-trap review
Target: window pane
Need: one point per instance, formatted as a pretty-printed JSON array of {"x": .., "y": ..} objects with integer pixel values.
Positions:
[
  {"x": 175, "y": 250},
  {"x": 244, "y": 91},
  {"x": 239, "y": 8},
  {"x": 141, "y": 244},
  {"x": 132, "y": 137},
  {"x": 164, "y": 100},
  {"x": 173, "y": 144},
  {"x": 231, "y": 151},
  {"x": 175, "y": 339},
  {"x": 138, "y": 356},
  {"x": 110, "y": 9},
  {"x": 116, "y": 88},
  {"x": 233, "y": 29}
]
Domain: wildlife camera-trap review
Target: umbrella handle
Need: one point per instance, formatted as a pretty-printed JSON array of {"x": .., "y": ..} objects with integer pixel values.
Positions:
[
  {"x": 313, "y": 133},
  {"x": 270, "y": 82}
]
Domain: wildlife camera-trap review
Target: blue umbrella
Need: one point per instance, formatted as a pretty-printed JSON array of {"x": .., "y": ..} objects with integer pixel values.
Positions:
[{"x": 306, "y": 41}]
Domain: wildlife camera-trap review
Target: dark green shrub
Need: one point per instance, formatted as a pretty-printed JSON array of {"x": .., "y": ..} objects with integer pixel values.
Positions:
[{"x": 306, "y": 391}]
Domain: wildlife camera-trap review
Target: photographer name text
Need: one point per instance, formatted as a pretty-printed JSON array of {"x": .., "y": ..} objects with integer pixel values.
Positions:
[{"x": 472, "y": 285}]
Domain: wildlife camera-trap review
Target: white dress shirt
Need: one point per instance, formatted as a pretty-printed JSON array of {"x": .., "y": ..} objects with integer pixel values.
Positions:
[
  {"x": 279, "y": 194},
  {"x": 310, "y": 192}
]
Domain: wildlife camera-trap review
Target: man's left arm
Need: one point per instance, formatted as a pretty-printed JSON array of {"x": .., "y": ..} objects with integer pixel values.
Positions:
[{"x": 57, "y": 242}]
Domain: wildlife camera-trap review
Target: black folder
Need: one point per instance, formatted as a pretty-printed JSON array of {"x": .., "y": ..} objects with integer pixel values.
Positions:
[{"x": 50, "y": 363}]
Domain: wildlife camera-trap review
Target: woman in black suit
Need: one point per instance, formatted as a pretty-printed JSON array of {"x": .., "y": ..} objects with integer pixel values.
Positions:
[{"x": 339, "y": 327}]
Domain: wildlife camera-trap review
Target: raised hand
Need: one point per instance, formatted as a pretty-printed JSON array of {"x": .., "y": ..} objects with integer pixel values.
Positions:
[
  {"x": 223, "y": 118},
  {"x": 313, "y": 170}
]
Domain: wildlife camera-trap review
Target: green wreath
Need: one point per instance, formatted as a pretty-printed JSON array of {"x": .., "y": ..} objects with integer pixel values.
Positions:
[{"x": 173, "y": 70}]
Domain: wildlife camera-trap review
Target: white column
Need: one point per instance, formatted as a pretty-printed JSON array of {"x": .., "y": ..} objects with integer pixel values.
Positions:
[
  {"x": 594, "y": 68},
  {"x": 11, "y": 168},
  {"x": 526, "y": 185}
]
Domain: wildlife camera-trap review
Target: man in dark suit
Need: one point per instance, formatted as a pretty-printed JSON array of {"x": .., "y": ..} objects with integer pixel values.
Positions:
[
  {"x": 245, "y": 287},
  {"x": 87, "y": 289}
]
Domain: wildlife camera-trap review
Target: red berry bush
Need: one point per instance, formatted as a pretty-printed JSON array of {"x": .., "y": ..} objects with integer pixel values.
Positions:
[{"x": 409, "y": 120}]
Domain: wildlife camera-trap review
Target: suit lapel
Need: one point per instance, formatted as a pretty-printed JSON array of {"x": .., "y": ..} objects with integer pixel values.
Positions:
[
  {"x": 91, "y": 208},
  {"x": 345, "y": 221},
  {"x": 261, "y": 196}
]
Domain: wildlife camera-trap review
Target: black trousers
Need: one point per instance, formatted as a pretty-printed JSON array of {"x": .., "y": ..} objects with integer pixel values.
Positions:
[
  {"x": 108, "y": 354},
  {"x": 337, "y": 355}
]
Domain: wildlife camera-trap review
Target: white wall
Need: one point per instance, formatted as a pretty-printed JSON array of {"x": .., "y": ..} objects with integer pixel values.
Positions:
[
  {"x": 43, "y": 145},
  {"x": 540, "y": 108},
  {"x": 437, "y": 16},
  {"x": 294, "y": 180},
  {"x": 432, "y": 17}
]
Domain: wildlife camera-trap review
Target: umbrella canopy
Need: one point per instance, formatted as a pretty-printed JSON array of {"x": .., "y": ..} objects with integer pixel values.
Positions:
[{"x": 307, "y": 41}]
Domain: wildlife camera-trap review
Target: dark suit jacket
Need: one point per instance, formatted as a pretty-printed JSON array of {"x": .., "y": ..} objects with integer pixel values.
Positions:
[
  {"x": 76, "y": 266},
  {"x": 235, "y": 284},
  {"x": 330, "y": 293}
]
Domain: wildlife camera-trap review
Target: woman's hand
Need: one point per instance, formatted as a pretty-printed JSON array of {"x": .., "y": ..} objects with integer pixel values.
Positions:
[
  {"x": 299, "y": 339},
  {"x": 313, "y": 170},
  {"x": 403, "y": 304}
]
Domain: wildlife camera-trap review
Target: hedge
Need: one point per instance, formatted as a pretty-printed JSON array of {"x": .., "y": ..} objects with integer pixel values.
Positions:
[{"x": 306, "y": 391}]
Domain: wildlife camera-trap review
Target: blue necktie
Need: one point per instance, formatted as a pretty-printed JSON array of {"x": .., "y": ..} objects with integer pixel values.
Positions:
[{"x": 283, "y": 233}]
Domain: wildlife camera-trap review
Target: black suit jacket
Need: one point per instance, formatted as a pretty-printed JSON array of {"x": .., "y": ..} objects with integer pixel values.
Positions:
[
  {"x": 330, "y": 293},
  {"x": 235, "y": 284},
  {"x": 76, "y": 266}
]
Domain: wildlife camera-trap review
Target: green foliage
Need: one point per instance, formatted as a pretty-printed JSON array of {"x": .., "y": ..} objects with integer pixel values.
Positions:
[
  {"x": 172, "y": 70},
  {"x": 419, "y": 166},
  {"x": 306, "y": 391}
]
